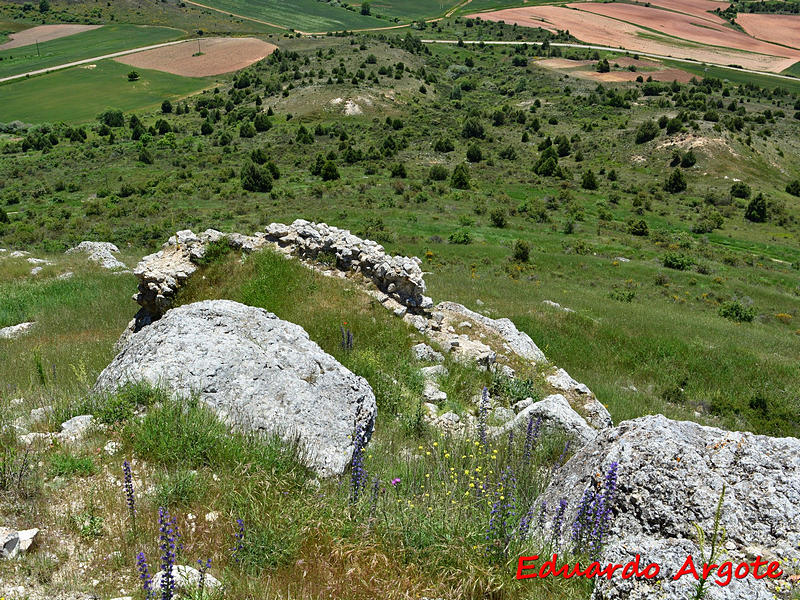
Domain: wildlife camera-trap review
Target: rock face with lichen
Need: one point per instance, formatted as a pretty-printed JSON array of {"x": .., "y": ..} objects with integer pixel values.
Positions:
[
  {"x": 670, "y": 476},
  {"x": 256, "y": 372}
]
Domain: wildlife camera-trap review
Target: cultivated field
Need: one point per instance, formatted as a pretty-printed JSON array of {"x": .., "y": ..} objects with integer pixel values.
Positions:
[
  {"x": 644, "y": 68},
  {"x": 81, "y": 93},
  {"x": 302, "y": 15},
  {"x": 97, "y": 42},
  {"x": 216, "y": 56},
  {"x": 698, "y": 8},
  {"x": 43, "y": 33},
  {"x": 781, "y": 29},
  {"x": 592, "y": 26},
  {"x": 685, "y": 27}
]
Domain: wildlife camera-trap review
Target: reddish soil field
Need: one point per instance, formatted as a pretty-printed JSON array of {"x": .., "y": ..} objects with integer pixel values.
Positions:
[
  {"x": 781, "y": 29},
  {"x": 698, "y": 8},
  {"x": 564, "y": 63},
  {"x": 219, "y": 55},
  {"x": 667, "y": 75},
  {"x": 685, "y": 27},
  {"x": 593, "y": 24},
  {"x": 43, "y": 33}
]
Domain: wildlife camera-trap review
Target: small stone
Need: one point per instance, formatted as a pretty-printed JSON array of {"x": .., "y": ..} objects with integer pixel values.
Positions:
[
  {"x": 423, "y": 352},
  {"x": 187, "y": 578},
  {"x": 76, "y": 428},
  {"x": 434, "y": 372},
  {"x": 522, "y": 405},
  {"x": 9, "y": 542},
  {"x": 27, "y": 538}
]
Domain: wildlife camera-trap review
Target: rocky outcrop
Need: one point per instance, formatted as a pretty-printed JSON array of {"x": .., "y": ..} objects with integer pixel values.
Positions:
[
  {"x": 513, "y": 340},
  {"x": 257, "y": 372},
  {"x": 14, "y": 543},
  {"x": 400, "y": 277},
  {"x": 187, "y": 580},
  {"x": 557, "y": 415},
  {"x": 100, "y": 252},
  {"x": 581, "y": 398},
  {"x": 670, "y": 476},
  {"x": 15, "y": 331}
]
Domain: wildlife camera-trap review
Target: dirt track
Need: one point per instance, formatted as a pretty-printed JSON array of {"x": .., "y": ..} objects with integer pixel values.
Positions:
[
  {"x": 219, "y": 55},
  {"x": 43, "y": 33},
  {"x": 781, "y": 29},
  {"x": 603, "y": 30}
]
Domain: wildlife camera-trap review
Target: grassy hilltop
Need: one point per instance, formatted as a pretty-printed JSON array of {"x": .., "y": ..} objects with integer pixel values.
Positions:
[{"x": 663, "y": 214}]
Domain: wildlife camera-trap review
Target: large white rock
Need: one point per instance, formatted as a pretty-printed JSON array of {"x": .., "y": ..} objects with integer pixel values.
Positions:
[
  {"x": 557, "y": 415},
  {"x": 100, "y": 252},
  {"x": 187, "y": 579},
  {"x": 15, "y": 331},
  {"x": 671, "y": 475},
  {"x": 516, "y": 341},
  {"x": 256, "y": 371},
  {"x": 9, "y": 542}
]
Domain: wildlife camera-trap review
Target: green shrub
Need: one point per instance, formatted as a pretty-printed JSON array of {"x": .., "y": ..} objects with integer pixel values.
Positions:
[
  {"x": 736, "y": 311},
  {"x": 646, "y": 132},
  {"x": 740, "y": 190},
  {"x": 177, "y": 488},
  {"x": 521, "y": 251},
  {"x": 498, "y": 217},
  {"x": 438, "y": 173},
  {"x": 638, "y": 227},
  {"x": 460, "y": 177},
  {"x": 589, "y": 180},
  {"x": 756, "y": 210},
  {"x": 461, "y": 236},
  {"x": 793, "y": 187},
  {"x": 676, "y": 182},
  {"x": 474, "y": 153},
  {"x": 679, "y": 262},
  {"x": 64, "y": 464},
  {"x": 255, "y": 178}
]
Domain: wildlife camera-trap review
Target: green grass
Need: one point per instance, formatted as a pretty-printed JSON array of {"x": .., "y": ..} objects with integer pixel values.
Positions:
[
  {"x": 87, "y": 44},
  {"x": 793, "y": 70},
  {"x": 412, "y": 10},
  {"x": 80, "y": 94},
  {"x": 64, "y": 464},
  {"x": 302, "y": 15},
  {"x": 736, "y": 76}
]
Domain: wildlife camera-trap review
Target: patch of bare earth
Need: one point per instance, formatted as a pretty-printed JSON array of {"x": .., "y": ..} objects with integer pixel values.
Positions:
[
  {"x": 685, "y": 27},
  {"x": 781, "y": 29},
  {"x": 692, "y": 141},
  {"x": 564, "y": 63},
  {"x": 585, "y": 22},
  {"x": 698, "y": 8},
  {"x": 43, "y": 33},
  {"x": 618, "y": 76},
  {"x": 203, "y": 57}
]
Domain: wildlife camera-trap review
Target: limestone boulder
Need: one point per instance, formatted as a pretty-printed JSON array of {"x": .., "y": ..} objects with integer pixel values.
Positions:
[{"x": 256, "y": 372}]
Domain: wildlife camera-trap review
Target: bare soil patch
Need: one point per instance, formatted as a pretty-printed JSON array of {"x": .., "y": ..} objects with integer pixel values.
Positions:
[
  {"x": 563, "y": 63},
  {"x": 595, "y": 28},
  {"x": 699, "y": 8},
  {"x": 629, "y": 61},
  {"x": 667, "y": 75},
  {"x": 685, "y": 27},
  {"x": 217, "y": 56},
  {"x": 43, "y": 33},
  {"x": 781, "y": 29}
]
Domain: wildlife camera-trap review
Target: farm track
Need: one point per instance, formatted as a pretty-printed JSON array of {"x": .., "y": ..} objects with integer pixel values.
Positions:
[
  {"x": 611, "y": 49},
  {"x": 86, "y": 61}
]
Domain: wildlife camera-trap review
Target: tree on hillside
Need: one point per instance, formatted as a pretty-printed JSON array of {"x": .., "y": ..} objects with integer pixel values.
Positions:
[
  {"x": 365, "y": 8},
  {"x": 646, "y": 132},
  {"x": 756, "y": 210},
  {"x": 589, "y": 180},
  {"x": 255, "y": 178},
  {"x": 133, "y": 76},
  {"x": 460, "y": 177},
  {"x": 793, "y": 187},
  {"x": 603, "y": 66},
  {"x": 166, "y": 107},
  {"x": 44, "y": 6},
  {"x": 676, "y": 182},
  {"x": 329, "y": 171},
  {"x": 474, "y": 153}
]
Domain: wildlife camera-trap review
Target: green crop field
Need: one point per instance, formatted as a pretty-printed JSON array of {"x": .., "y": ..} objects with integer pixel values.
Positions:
[
  {"x": 303, "y": 15},
  {"x": 97, "y": 42},
  {"x": 80, "y": 94},
  {"x": 407, "y": 10}
]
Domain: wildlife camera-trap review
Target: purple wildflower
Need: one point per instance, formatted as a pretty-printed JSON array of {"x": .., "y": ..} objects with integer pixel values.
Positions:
[
  {"x": 603, "y": 509},
  {"x": 204, "y": 567},
  {"x": 525, "y": 523},
  {"x": 168, "y": 532},
  {"x": 358, "y": 474},
  {"x": 581, "y": 527},
  {"x": 483, "y": 411},
  {"x": 531, "y": 437},
  {"x": 239, "y": 537},
  {"x": 395, "y": 481},
  {"x": 144, "y": 576},
  {"x": 129, "y": 497},
  {"x": 558, "y": 521},
  {"x": 561, "y": 458},
  {"x": 502, "y": 516}
]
